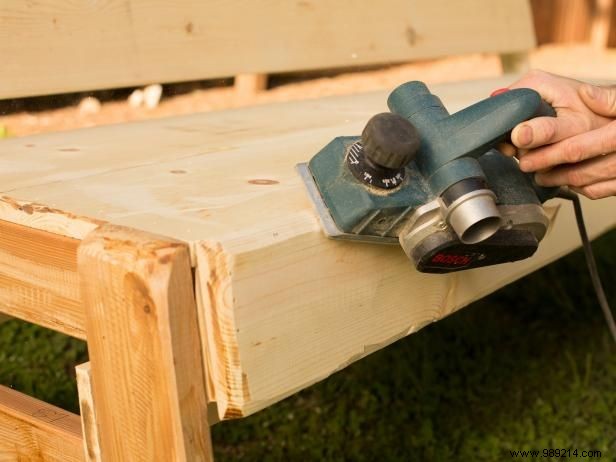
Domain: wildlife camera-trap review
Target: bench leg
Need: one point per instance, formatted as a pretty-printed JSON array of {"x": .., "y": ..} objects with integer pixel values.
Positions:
[
  {"x": 247, "y": 86},
  {"x": 143, "y": 340}
]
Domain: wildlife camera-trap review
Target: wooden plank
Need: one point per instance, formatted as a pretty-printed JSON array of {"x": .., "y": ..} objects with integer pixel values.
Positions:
[
  {"x": 34, "y": 430},
  {"x": 600, "y": 23},
  {"x": 292, "y": 313},
  {"x": 38, "y": 278},
  {"x": 89, "y": 423},
  {"x": 143, "y": 342},
  {"x": 281, "y": 307},
  {"x": 562, "y": 21},
  {"x": 611, "y": 36},
  {"x": 114, "y": 43}
]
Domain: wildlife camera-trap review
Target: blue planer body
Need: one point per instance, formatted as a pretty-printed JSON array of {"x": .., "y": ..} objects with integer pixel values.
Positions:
[{"x": 433, "y": 182}]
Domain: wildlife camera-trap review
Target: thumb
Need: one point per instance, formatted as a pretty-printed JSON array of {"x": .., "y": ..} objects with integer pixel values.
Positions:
[{"x": 600, "y": 100}]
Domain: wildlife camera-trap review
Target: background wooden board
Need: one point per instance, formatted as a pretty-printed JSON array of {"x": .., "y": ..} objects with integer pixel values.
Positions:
[
  {"x": 114, "y": 43},
  {"x": 281, "y": 306},
  {"x": 611, "y": 38},
  {"x": 562, "y": 20}
]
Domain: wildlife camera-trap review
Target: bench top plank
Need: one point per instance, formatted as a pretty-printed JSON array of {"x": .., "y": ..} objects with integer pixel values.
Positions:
[
  {"x": 281, "y": 306},
  {"x": 199, "y": 176}
]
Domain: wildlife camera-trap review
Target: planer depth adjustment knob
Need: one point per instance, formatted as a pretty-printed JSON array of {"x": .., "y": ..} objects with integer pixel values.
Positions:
[{"x": 388, "y": 143}]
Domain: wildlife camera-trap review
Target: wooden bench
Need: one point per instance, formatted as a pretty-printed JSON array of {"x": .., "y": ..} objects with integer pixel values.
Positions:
[{"x": 185, "y": 250}]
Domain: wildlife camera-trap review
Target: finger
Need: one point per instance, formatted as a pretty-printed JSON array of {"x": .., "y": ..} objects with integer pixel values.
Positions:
[
  {"x": 571, "y": 150},
  {"x": 545, "y": 130},
  {"x": 590, "y": 171},
  {"x": 598, "y": 190},
  {"x": 600, "y": 100},
  {"x": 561, "y": 93}
]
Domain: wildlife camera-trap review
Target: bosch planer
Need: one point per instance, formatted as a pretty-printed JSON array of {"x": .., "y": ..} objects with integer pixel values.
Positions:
[{"x": 434, "y": 182}]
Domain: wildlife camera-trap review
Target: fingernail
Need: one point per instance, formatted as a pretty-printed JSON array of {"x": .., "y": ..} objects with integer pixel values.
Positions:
[
  {"x": 591, "y": 91},
  {"x": 525, "y": 135}
]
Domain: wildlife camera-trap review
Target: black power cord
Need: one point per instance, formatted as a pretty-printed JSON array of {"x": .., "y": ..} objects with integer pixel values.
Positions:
[{"x": 565, "y": 193}]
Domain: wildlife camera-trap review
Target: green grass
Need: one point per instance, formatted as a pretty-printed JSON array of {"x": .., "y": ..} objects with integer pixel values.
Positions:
[
  {"x": 40, "y": 362},
  {"x": 531, "y": 366}
]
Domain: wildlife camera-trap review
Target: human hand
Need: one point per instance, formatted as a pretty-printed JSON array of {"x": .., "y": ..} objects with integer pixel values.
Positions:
[{"x": 578, "y": 147}]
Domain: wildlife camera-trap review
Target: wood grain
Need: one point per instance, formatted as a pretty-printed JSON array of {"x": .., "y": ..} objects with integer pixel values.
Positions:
[
  {"x": 38, "y": 278},
  {"x": 143, "y": 342},
  {"x": 115, "y": 43},
  {"x": 33, "y": 430}
]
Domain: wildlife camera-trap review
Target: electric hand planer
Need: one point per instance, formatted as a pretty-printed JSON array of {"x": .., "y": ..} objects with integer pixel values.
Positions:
[{"x": 433, "y": 182}]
